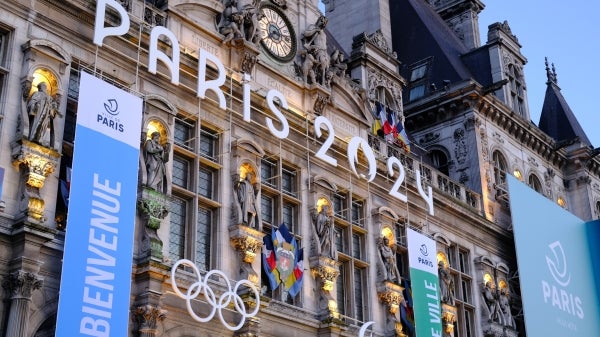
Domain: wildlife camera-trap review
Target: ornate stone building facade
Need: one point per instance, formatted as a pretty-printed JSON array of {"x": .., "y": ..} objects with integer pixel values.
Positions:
[{"x": 268, "y": 118}]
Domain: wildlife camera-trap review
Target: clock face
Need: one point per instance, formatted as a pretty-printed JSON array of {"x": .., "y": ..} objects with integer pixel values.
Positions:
[{"x": 278, "y": 38}]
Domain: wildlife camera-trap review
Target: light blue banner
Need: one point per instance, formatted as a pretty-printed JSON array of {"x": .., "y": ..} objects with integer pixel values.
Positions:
[
  {"x": 555, "y": 266},
  {"x": 96, "y": 274}
]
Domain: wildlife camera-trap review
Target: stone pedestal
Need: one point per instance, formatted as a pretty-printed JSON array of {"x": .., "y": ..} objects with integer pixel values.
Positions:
[
  {"x": 325, "y": 271},
  {"x": 153, "y": 207},
  {"x": 390, "y": 294},
  {"x": 36, "y": 163},
  {"x": 448, "y": 319},
  {"x": 248, "y": 243}
]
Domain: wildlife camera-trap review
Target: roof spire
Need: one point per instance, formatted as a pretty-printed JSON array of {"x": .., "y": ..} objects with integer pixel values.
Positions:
[{"x": 551, "y": 75}]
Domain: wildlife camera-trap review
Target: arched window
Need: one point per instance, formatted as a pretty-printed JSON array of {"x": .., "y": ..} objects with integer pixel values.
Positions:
[
  {"x": 439, "y": 160},
  {"x": 499, "y": 168},
  {"x": 535, "y": 183},
  {"x": 598, "y": 209}
]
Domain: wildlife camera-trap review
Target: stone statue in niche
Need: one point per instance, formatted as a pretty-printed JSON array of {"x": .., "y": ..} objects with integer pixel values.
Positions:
[
  {"x": 388, "y": 256},
  {"x": 490, "y": 301},
  {"x": 42, "y": 109},
  {"x": 323, "y": 225},
  {"x": 446, "y": 284},
  {"x": 155, "y": 156},
  {"x": 247, "y": 193}
]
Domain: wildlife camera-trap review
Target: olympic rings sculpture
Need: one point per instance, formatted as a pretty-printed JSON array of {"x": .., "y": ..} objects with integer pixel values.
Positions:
[{"x": 202, "y": 286}]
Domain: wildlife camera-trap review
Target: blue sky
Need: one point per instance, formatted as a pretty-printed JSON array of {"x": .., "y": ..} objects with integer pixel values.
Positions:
[{"x": 568, "y": 33}]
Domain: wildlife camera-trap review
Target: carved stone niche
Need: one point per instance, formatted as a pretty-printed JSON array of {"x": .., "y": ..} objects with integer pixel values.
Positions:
[
  {"x": 325, "y": 271},
  {"x": 153, "y": 207},
  {"x": 390, "y": 295},
  {"x": 36, "y": 163}
]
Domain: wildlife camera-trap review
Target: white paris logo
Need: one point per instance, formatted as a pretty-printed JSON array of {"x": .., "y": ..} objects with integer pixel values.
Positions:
[{"x": 558, "y": 264}]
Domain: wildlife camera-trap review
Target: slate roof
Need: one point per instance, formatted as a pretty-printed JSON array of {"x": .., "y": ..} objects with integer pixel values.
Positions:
[{"x": 557, "y": 119}]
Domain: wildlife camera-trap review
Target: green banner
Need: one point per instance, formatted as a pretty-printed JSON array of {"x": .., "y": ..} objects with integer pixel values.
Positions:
[{"x": 425, "y": 284}]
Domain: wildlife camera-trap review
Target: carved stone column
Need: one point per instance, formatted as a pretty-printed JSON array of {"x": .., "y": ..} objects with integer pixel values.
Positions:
[
  {"x": 36, "y": 163},
  {"x": 20, "y": 285},
  {"x": 390, "y": 294},
  {"x": 448, "y": 319},
  {"x": 148, "y": 317},
  {"x": 153, "y": 207},
  {"x": 325, "y": 271}
]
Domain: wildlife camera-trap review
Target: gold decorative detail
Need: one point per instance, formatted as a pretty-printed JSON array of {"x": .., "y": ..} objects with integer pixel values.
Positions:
[
  {"x": 448, "y": 318},
  {"x": 247, "y": 246},
  {"x": 36, "y": 208},
  {"x": 37, "y": 162}
]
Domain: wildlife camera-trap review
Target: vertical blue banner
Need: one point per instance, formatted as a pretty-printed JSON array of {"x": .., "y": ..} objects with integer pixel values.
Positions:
[
  {"x": 96, "y": 273},
  {"x": 556, "y": 268},
  {"x": 422, "y": 262}
]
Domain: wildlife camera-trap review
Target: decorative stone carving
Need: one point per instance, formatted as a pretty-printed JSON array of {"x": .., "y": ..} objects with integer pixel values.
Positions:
[
  {"x": 239, "y": 21},
  {"x": 379, "y": 40},
  {"x": 36, "y": 162},
  {"x": 21, "y": 284},
  {"x": 429, "y": 137},
  {"x": 376, "y": 79},
  {"x": 390, "y": 295},
  {"x": 325, "y": 271},
  {"x": 247, "y": 242},
  {"x": 321, "y": 101},
  {"x": 315, "y": 59},
  {"x": 153, "y": 207},
  {"x": 147, "y": 318},
  {"x": 448, "y": 319},
  {"x": 460, "y": 146}
]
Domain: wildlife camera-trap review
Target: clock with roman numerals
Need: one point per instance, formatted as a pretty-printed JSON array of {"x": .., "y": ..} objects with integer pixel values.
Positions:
[{"x": 278, "y": 39}]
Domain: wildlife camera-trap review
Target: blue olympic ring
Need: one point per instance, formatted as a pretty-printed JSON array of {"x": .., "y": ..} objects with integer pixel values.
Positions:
[{"x": 202, "y": 286}]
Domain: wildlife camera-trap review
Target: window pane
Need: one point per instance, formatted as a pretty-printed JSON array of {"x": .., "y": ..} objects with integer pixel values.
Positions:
[
  {"x": 180, "y": 172},
  {"x": 341, "y": 290},
  {"x": 203, "y": 239},
  {"x": 289, "y": 216},
  {"x": 358, "y": 294},
  {"x": 288, "y": 182},
  {"x": 418, "y": 73},
  {"x": 177, "y": 229},
  {"x": 266, "y": 207},
  {"x": 205, "y": 183},
  {"x": 416, "y": 92},
  {"x": 356, "y": 246},
  {"x": 357, "y": 213},
  {"x": 183, "y": 134},
  {"x": 208, "y": 143},
  {"x": 339, "y": 206},
  {"x": 339, "y": 242},
  {"x": 267, "y": 172}
]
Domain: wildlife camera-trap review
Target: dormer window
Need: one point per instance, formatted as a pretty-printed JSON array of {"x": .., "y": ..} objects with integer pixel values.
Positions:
[{"x": 418, "y": 79}]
